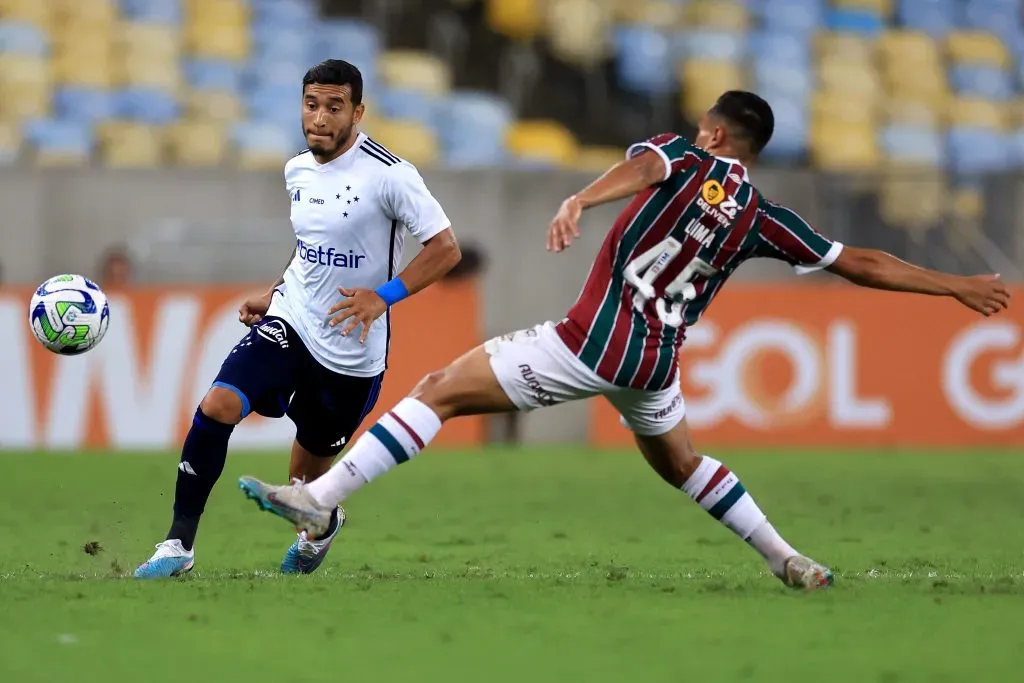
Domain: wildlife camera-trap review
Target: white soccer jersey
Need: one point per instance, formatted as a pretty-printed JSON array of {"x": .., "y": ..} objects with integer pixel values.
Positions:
[{"x": 350, "y": 216}]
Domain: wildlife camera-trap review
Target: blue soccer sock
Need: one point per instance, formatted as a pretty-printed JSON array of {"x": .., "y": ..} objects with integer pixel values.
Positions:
[
  {"x": 202, "y": 461},
  {"x": 397, "y": 437}
]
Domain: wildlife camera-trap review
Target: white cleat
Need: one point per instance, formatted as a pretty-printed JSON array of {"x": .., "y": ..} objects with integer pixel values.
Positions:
[
  {"x": 294, "y": 503},
  {"x": 170, "y": 559},
  {"x": 806, "y": 574}
]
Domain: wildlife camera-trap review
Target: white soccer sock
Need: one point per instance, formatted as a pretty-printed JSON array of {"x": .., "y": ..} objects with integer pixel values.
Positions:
[
  {"x": 396, "y": 438},
  {"x": 719, "y": 491}
]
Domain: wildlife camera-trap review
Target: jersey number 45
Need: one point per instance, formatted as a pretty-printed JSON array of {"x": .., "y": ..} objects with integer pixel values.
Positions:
[{"x": 681, "y": 290}]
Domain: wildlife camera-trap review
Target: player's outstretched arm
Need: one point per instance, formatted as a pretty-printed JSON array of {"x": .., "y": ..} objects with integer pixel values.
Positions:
[
  {"x": 985, "y": 294},
  {"x": 622, "y": 180}
]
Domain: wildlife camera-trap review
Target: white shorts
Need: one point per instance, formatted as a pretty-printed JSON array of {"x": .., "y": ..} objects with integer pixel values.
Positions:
[{"x": 535, "y": 369}]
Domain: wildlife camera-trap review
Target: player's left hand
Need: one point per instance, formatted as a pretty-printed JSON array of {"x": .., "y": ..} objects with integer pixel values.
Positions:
[
  {"x": 985, "y": 294},
  {"x": 363, "y": 306},
  {"x": 565, "y": 225}
]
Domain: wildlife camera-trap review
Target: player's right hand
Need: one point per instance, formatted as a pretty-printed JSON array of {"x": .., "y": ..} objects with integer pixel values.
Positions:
[
  {"x": 254, "y": 308},
  {"x": 985, "y": 294},
  {"x": 565, "y": 225}
]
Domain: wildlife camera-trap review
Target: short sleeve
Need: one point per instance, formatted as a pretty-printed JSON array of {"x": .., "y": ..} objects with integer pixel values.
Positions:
[
  {"x": 406, "y": 199},
  {"x": 786, "y": 236},
  {"x": 676, "y": 151}
]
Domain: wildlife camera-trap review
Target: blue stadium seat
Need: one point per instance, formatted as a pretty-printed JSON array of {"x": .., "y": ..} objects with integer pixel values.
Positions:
[
  {"x": 152, "y": 11},
  {"x": 275, "y": 43},
  {"x": 791, "y": 16},
  {"x": 396, "y": 103},
  {"x": 913, "y": 144},
  {"x": 978, "y": 150},
  {"x": 1017, "y": 142},
  {"x": 934, "y": 17},
  {"x": 713, "y": 45},
  {"x": 349, "y": 39},
  {"x": 213, "y": 74},
  {"x": 286, "y": 14},
  {"x": 59, "y": 136},
  {"x": 982, "y": 81},
  {"x": 795, "y": 81},
  {"x": 780, "y": 48},
  {"x": 262, "y": 71},
  {"x": 791, "y": 123},
  {"x": 278, "y": 103},
  {"x": 994, "y": 16},
  {"x": 148, "y": 105},
  {"x": 857, "y": 21},
  {"x": 268, "y": 138},
  {"x": 23, "y": 39},
  {"x": 88, "y": 105},
  {"x": 645, "y": 60},
  {"x": 472, "y": 129}
]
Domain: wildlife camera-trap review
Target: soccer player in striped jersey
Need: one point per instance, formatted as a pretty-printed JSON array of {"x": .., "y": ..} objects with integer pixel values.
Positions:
[{"x": 694, "y": 218}]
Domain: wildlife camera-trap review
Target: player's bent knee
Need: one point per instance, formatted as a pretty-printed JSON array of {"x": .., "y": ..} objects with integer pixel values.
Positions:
[{"x": 223, "y": 405}]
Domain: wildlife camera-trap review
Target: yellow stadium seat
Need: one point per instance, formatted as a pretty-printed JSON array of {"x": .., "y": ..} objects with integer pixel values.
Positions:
[
  {"x": 153, "y": 72},
  {"x": 125, "y": 144},
  {"x": 656, "y": 13},
  {"x": 18, "y": 69},
  {"x": 197, "y": 144},
  {"x": 215, "y": 107},
  {"x": 38, "y": 12},
  {"x": 844, "y": 146},
  {"x": 137, "y": 40},
  {"x": 598, "y": 159},
  {"x": 218, "y": 41},
  {"x": 410, "y": 140},
  {"x": 725, "y": 15},
  {"x": 977, "y": 47},
  {"x": 25, "y": 100},
  {"x": 967, "y": 203},
  {"x": 840, "y": 107},
  {"x": 517, "y": 19},
  {"x": 1015, "y": 111},
  {"x": 918, "y": 112},
  {"x": 10, "y": 143},
  {"x": 96, "y": 71},
  {"x": 228, "y": 12},
  {"x": 577, "y": 30},
  {"x": 82, "y": 44},
  {"x": 413, "y": 70},
  {"x": 704, "y": 81},
  {"x": 914, "y": 200},
  {"x": 543, "y": 140},
  {"x": 59, "y": 159},
  {"x": 90, "y": 13},
  {"x": 925, "y": 84},
  {"x": 881, "y": 7},
  {"x": 847, "y": 47},
  {"x": 975, "y": 112},
  {"x": 908, "y": 49},
  {"x": 853, "y": 79}
]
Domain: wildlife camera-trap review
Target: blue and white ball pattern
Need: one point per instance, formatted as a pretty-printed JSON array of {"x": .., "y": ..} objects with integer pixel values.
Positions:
[{"x": 69, "y": 314}]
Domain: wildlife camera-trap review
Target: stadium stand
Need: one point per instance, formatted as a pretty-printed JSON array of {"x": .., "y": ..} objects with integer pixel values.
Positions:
[{"x": 855, "y": 83}]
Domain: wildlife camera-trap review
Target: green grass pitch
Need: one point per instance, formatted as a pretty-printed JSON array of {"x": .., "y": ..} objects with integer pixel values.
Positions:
[{"x": 520, "y": 566}]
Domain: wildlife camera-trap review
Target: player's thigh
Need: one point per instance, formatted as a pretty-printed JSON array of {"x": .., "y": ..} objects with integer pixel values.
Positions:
[
  {"x": 534, "y": 369},
  {"x": 260, "y": 371},
  {"x": 467, "y": 386},
  {"x": 328, "y": 408},
  {"x": 657, "y": 420}
]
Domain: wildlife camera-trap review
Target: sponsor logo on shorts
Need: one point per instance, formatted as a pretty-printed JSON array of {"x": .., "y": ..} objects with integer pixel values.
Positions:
[
  {"x": 672, "y": 407},
  {"x": 275, "y": 331},
  {"x": 542, "y": 395}
]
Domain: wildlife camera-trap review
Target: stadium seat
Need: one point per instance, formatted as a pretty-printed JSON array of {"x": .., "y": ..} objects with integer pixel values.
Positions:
[
  {"x": 517, "y": 19},
  {"x": 701, "y": 44},
  {"x": 262, "y": 146},
  {"x": 777, "y": 47},
  {"x": 841, "y": 107},
  {"x": 995, "y": 16},
  {"x": 276, "y": 103},
  {"x": 10, "y": 143},
  {"x": 59, "y": 143},
  {"x": 472, "y": 128},
  {"x": 147, "y": 105},
  {"x": 89, "y": 15},
  {"x": 218, "y": 41},
  {"x": 913, "y": 146},
  {"x": 977, "y": 48},
  {"x": 125, "y": 144},
  {"x": 411, "y": 140},
  {"x": 286, "y": 14},
  {"x": 355, "y": 41},
  {"x": 577, "y": 30},
  {"x": 598, "y": 159},
  {"x": 934, "y": 17},
  {"x": 20, "y": 69},
  {"x": 853, "y": 79},
  {"x": 212, "y": 106},
  {"x": 168, "y": 12},
  {"x": 908, "y": 47},
  {"x": 409, "y": 105},
  {"x": 89, "y": 105},
  {"x": 151, "y": 72},
  {"x": 917, "y": 112},
  {"x": 794, "y": 81},
  {"x": 644, "y": 60},
  {"x": 984, "y": 82},
  {"x": 721, "y": 15},
  {"x": 881, "y": 8},
  {"x": 17, "y": 38},
  {"x": 218, "y": 75},
  {"x": 37, "y": 12},
  {"x": 791, "y": 16},
  {"x": 858, "y": 21},
  {"x": 545, "y": 141},
  {"x": 704, "y": 81},
  {"x": 927, "y": 208},
  {"x": 25, "y": 100},
  {"x": 849, "y": 47},
  {"x": 978, "y": 150},
  {"x": 224, "y": 12},
  {"x": 192, "y": 143},
  {"x": 791, "y": 124},
  {"x": 148, "y": 41},
  {"x": 411, "y": 70},
  {"x": 976, "y": 113},
  {"x": 844, "y": 146}
]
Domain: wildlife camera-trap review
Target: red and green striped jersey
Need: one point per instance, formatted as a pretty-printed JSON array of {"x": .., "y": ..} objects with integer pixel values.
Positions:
[{"x": 668, "y": 254}]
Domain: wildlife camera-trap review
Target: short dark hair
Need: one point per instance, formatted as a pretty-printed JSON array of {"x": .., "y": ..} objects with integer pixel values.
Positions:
[
  {"x": 336, "y": 72},
  {"x": 750, "y": 116}
]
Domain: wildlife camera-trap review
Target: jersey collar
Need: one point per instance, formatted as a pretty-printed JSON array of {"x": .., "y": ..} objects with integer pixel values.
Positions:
[
  {"x": 737, "y": 162},
  {"x": 360, "y": 137}
]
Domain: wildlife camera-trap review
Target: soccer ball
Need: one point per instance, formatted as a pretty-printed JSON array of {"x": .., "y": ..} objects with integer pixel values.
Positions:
[{"x": 69, "y": 314}]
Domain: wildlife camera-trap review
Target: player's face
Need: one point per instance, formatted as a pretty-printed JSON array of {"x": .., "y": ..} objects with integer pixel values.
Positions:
[{"x": 328, "y": 117}]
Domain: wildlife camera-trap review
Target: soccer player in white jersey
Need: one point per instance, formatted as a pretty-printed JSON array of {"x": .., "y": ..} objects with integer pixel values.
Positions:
[{"x": 318, "y": 344}]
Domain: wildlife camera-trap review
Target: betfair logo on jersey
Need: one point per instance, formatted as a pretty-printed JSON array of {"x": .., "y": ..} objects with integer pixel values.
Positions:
[
  {"x": 717, "y": 203},
  {"x": 329, "y": 257}
]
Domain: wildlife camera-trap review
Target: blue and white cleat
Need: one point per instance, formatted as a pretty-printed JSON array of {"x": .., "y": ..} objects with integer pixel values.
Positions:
[
  {"x": 294, "y": 503},
  {"x": 304, "y": 556},
  {"x": 806, "y": 574},
  {"x": 170, "y": 559}
]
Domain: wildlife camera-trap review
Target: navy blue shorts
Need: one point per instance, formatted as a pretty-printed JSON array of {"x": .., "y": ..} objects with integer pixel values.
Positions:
[{"x": 275, "y": 375}]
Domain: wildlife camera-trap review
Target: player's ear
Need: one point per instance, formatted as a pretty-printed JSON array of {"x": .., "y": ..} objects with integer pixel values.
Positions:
[{"x": 357, "y": 114}]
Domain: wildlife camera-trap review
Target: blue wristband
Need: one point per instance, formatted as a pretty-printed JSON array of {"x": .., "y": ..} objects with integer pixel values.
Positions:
[{"x": 392, "y": 291}]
